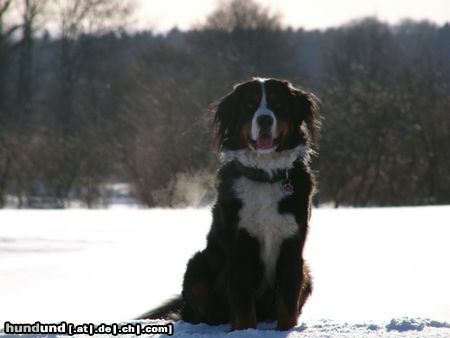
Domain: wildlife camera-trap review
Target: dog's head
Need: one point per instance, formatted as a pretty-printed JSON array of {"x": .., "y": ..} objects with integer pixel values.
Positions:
[{"x": 265, "y": 116}]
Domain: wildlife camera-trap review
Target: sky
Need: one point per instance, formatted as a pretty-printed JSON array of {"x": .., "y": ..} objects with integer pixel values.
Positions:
[{"x": 162, "y": 15}]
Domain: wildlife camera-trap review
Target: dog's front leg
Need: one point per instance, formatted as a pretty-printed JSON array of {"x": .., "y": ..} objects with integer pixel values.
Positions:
[
  {"x": 289, "y": 280},
  {"x": 244, "y": 269}
]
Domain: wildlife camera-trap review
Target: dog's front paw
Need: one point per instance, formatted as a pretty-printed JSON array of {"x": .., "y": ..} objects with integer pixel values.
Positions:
[
  {"x": 243, "y": 324},
  {"x": 286, "y": 323}
]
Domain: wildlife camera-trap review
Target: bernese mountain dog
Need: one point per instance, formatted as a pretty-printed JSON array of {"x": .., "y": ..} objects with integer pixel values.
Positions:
[{"x": 252, "y": 268}]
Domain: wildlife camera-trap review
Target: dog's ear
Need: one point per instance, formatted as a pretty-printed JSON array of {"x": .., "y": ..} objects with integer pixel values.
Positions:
[
  {"x": 306, "y": 106},
  {"x": 224, "y": 112}
]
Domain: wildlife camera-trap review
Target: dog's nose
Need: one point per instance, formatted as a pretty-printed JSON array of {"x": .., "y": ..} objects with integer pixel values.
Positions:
[{"x": 265, "y": 121}]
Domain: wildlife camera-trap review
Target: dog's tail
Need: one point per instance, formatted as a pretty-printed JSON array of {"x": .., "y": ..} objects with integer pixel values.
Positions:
[{"x": 170, "y": 310}]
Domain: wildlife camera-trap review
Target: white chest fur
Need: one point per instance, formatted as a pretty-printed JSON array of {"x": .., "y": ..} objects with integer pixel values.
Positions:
[{"x": 260, "y": 217}]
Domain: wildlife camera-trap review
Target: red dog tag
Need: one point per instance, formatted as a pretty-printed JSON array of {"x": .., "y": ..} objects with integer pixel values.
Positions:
[{"x": 287, "y": 188}]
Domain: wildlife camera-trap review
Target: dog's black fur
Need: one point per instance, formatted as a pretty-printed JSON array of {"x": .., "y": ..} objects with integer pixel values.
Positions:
[{"x": 227, "y": 281}]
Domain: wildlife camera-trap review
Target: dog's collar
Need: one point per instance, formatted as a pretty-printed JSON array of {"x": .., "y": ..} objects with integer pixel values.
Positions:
[{"x": 260, "y": 175}]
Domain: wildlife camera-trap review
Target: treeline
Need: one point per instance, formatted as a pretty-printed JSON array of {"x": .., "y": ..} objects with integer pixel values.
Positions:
[{"x": 96, "y": 105}]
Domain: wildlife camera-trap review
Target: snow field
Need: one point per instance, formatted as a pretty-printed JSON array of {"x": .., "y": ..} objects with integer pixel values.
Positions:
[{"x": 371, "y": 267}]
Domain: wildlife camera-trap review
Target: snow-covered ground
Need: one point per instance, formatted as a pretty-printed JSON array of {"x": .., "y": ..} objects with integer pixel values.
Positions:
[{"x": 378, "y": 272}]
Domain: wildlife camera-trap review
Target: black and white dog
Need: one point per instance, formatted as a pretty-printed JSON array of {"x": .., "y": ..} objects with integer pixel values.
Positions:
[{"x": 252, "y": 268}]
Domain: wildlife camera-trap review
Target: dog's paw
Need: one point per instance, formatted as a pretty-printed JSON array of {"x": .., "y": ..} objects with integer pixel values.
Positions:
[
  {"x": 243, "y": 324},
  {"x": 286, "y": 323}
]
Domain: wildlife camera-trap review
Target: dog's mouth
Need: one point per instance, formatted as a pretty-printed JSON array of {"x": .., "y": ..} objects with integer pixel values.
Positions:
[{"x": 265, "y": 142}]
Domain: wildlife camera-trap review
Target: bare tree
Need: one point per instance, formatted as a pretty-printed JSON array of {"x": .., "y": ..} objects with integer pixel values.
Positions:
[
  {"x": 7, "y": 134},
  {"x": 358, "y": 110},
  {"x": 242, "y": 39},
  {"x": 242, "y": 15},
  {"x": 62, "y": 157},
  {"x": 30, "y": 10},
  {"x": 163, "y": 116},
  {"x": 79, "y": 22}
]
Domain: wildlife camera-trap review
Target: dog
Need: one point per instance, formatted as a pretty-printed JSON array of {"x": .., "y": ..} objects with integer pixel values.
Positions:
[{"x": 252, "y": 268}]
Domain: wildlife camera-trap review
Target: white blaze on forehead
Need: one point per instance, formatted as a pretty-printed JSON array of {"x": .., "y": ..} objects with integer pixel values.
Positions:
[
  {"x": 263, "y": 110},
  {"x": 263, "y": 93}
]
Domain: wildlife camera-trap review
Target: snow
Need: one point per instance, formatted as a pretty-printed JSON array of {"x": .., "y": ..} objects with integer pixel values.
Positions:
[{"x": 378, "y": 272}]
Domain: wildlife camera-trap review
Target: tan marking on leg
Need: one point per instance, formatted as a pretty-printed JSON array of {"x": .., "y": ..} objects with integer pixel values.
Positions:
[
  {"x": 245, "y": 322},
  {"x": 201, "y": 296},
  {"x": 286, "y": 319}
]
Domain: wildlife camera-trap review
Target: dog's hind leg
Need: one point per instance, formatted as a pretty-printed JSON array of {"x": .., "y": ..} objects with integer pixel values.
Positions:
[{"x": 204, "y": 303}]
